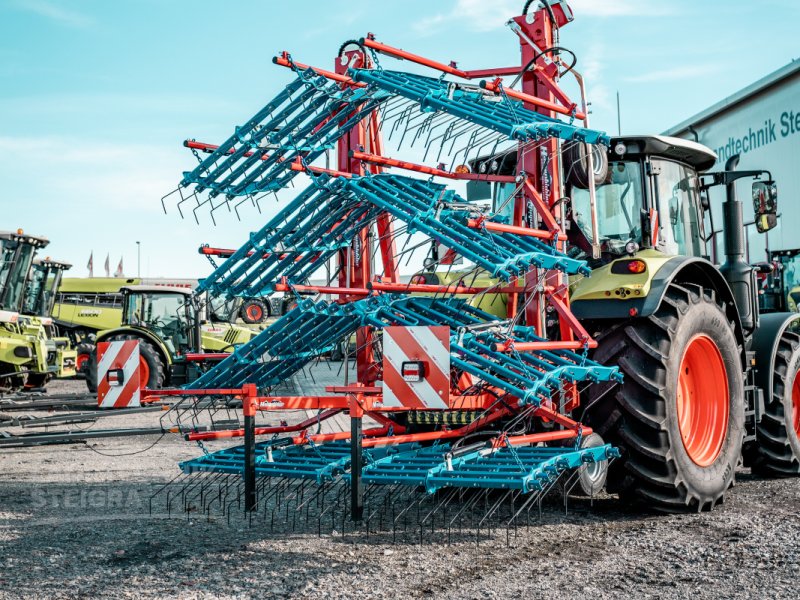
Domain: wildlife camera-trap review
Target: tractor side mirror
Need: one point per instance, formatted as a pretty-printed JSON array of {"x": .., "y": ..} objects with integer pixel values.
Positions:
[{"x": 765, "y": 205}]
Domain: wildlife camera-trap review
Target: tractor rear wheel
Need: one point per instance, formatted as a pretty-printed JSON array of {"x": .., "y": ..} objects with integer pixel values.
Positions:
[
  {"x": 776, "y": 451},
  {"x": 254, "y": 311},
  {"x": 678, "y": 417},
  {"x": 152, "y": 370}
]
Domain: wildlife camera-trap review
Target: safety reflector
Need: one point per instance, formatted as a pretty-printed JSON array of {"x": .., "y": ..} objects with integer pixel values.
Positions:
[{"x": 118, "y": 376}]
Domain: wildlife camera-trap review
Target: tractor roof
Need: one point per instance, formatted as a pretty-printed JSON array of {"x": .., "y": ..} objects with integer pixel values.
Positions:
[
  {"x": 38, "y": 241},
  {"x": 696, "y": 155},
  {"x": 155, "y": 289},
  {"x": 52, "y": 262}
]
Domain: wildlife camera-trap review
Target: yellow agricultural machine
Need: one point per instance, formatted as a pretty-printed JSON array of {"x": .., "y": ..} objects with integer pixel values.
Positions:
[{"x": 31, "y": 353}]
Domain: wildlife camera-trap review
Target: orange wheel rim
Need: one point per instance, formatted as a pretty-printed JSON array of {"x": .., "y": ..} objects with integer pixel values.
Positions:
[
  {"x": 144, "y": 372},
  {"x": 254, "y": 312},
  {"x": 796, "y": 404},
  {"x": 703, "y": 400},
  {"x": 81, "y": 361}
]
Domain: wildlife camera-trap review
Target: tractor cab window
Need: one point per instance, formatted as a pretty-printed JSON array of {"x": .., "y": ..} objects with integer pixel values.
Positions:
[
  {"x": 679, "y": 214},
  {"x": 15, "y": 259},
  {"x": 619, "y": 202},
  {"x": 221, "y": 310},
  {"x": 164, "y": 314},
  {"x": 34, "y": 292}
]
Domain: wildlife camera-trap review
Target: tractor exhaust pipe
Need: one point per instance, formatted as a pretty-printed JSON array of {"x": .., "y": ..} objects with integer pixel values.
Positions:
[{"x": 738, "y": 273}]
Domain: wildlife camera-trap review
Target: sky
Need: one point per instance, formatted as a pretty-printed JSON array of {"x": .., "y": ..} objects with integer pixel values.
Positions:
[{"x": 96, "y": 97}]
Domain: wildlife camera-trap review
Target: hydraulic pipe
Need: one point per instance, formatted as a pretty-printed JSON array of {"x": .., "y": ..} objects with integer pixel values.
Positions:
[{"x": 503, "y": 228}]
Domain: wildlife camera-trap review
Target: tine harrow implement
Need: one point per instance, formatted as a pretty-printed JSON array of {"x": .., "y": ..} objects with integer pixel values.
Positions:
[{"x": 476, "y": 408}]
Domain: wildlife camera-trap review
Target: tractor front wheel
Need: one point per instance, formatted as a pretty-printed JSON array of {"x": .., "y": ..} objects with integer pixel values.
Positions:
[{"x": 678, "y": 417}]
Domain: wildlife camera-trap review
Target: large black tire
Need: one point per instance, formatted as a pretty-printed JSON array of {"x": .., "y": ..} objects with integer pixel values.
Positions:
[
  {"x": 576, "y": 163},
  {"x": 641, "y": 415},
  {"x": 254, "y": 311},
  {"x": 155, "y": 367},
  {"x": 776, "y": 451}
]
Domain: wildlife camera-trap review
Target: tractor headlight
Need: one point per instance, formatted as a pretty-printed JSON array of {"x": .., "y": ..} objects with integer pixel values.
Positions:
[{"x": 631, "y": 248}]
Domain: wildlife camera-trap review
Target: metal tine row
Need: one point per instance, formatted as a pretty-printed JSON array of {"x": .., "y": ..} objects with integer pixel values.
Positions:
[
  {"x": 408, "y": 513},
  {"x": 508, "y": 117}
]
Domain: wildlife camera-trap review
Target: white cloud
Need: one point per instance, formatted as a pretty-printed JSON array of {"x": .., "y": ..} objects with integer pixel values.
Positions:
[
  {"x": 476, "y": 15},
  {"x": 675, "y": 73},
  {"x": 483, "y": 15},
  {"x": 56, "y": 13},
  {"x": 620, "y": 8}
]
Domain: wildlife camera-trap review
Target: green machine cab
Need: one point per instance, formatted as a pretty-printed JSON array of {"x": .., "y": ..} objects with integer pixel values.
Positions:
[
  {"x": 171, "y": 330},
  {"x": 24, "y": 345},
  {"x": 680, "y": 325}
]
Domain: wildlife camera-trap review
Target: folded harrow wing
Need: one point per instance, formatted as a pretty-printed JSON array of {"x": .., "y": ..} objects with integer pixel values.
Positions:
[{"x": 462, "y": 398}]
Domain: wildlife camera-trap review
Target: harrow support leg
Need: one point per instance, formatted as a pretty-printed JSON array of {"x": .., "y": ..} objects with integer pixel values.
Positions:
[
  {"x": 356, "y": 483},
  {"x": 250, "y": 496}
]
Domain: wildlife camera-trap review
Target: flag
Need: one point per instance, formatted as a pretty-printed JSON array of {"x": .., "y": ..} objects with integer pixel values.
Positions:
[
  {"x": 90, "y": 264},
  {"x": 107, "y": 267},
  {"x": 118, "y": 272}
]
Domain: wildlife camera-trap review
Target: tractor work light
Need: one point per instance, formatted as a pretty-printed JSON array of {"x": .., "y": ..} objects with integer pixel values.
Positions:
[
  {"x": 462, "y": 169},
  {"x": 631, "y": 248}
]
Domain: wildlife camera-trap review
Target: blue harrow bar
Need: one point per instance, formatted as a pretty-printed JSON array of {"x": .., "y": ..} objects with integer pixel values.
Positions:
[
  {"x": 311, "y": 329},
  {"x": 296, "y": 242},
  {"x": 525, "y": 468},
  {"x": 283, "y": 348},
  {"x": 301, "y": 122},
  {"x": 325, "y": 217},
  {"x": 470, "y": 103},
  {"x": 318, "y": 462}
]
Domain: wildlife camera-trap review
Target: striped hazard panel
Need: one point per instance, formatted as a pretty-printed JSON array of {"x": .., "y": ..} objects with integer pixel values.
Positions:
[
  {"x": 118, "y": 374},
  {"x": 416, "y": 367}
]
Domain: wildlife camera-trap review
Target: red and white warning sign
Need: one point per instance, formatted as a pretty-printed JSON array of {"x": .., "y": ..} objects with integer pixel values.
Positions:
[
  {"x": 118, "y": 374},
  {"x": 416, "y": 367}
]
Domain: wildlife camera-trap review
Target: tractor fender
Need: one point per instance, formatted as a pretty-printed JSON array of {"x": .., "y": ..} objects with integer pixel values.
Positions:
[
  {"x": 692, "y": 269},
  {"x": 679, "y": 269},
  {"x": 765, "y": 345},
  {"x": 138, "y": 332}
]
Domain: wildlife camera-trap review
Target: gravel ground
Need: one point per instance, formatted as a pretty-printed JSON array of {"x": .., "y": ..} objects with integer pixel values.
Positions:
[{"x": 74, "y": 522}]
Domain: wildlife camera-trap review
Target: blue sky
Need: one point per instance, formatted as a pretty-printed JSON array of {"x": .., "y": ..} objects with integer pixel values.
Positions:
[{"x": 96, "y": 96}]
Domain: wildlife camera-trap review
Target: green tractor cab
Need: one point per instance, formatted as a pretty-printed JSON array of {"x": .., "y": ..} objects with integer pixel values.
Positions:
[
  {"x": 37, "y": 310},
  {"x": 171, "y": 331}
]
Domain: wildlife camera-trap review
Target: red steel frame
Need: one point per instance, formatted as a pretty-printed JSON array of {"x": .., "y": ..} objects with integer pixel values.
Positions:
[{"x": 538, "y": 173}]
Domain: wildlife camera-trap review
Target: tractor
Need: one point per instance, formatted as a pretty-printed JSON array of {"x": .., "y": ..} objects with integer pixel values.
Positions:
[
  {"x": 173, "y": 342},
  {"x": 710, "y": 379},
  {"x": 86, "y": 306},
  {"x": 780, "y": 289},
  {"x": 36, "y": 320}
]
